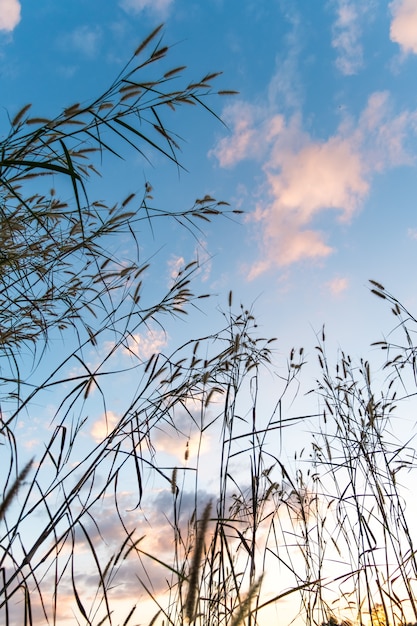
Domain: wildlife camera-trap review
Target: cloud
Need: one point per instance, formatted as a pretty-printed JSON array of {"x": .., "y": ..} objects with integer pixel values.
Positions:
[
  {"x": 175, "y": 265},
  {"x": 183, "y": 439},
  {"x": 104, "y": 425},
  {"x": 245, "y": 140},
  {"x": 202, "y": 265},
  {"x": 337, "y": 285},
  {"x": 306, "y": 177},
  {"x": 9, "y": 15},
  {"x": 204, "y": 261},
  {"x": 286, "y": 86},
  {"x": 160, "y": 7},
  {"x": 403, "y": 29},
  {"x": 346, "y": 33},
  {"x": 153, "y": 523},
  {"x": 86, "y": 40},
  {"x": 145, "y": 345}
]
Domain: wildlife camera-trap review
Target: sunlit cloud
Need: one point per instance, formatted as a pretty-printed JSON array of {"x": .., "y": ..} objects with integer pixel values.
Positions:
[
  {"x": 244, "y": 141},
  {"x": 175, "y": 265},
  {"x": 144, "y": 345},
  {"x": 338, "y": 285},
  {"x": 104, "y": 425},
  {"x": 154, "y": 523},
  {"x": 202, "y": 264},
  {"x": 182, "y": 439},
  {"x": 403, "y": 29},
  {"x": 160, "y": 7},
  {"x": 9, "y": 14},
  {"x": 306, "y": 177}
]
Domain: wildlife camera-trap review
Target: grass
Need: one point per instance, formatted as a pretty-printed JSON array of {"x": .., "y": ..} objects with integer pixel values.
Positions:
[
  {"x": 89, "y": 532},
  {"x": 332, "y": 531}
]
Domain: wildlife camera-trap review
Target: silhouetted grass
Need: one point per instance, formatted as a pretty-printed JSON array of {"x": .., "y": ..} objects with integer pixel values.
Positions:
[{"x": 251, "y": 531}]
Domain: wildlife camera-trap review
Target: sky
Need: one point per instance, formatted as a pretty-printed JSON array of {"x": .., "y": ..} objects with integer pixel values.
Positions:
[
  {"x": 318, "y": 149},
  {"x": 318, "y": 153}
]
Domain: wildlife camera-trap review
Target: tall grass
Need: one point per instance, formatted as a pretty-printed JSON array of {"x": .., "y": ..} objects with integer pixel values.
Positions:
[
  {"x": 325, "y": 539},
  {"x": 90, "y": 532},
  {"x": 63, "y": 284}
]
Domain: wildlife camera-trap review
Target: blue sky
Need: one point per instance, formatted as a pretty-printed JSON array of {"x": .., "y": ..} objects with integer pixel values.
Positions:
[{"x": 318, "y": 150}]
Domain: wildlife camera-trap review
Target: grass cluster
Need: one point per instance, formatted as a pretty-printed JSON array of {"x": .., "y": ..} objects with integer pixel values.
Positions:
[{"x": 249, "y": 539}]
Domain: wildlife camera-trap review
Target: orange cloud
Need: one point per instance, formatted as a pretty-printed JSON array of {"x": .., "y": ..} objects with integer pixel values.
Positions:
[
  {"x": 103, "y": 426},
  {"x": 183, "y": 440},
  {"x": 305, "y": 178},
  {"x": 403, "y": 29}
]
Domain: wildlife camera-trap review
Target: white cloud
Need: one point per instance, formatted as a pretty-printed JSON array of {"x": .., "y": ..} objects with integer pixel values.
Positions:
[
  {"x": 86, "y": 40},
  {"x": 145, "y": 345},
  {"x": 403, "y": 28},
  {"x": 286, "y": 86},
  {"x": 306, "y": 177},
  {"x": 9, "y": 14},
  {"x": 202, "y": 267},
  {"x": 346, "y": 37},
  {"x": 204, "y": 261},
  {"x": 160, "y": 7},
  {"x": 347, "y": 30},
  {"x": 175, "y": 265}
]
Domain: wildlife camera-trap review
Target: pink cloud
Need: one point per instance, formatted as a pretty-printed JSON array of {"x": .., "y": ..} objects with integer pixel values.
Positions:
[
  {"x": 306, "y": 177},
  {"x": 383, "y": 135},
  {"x": 183, "y": 440},
  {"x": 9, "y": 14},
  {"x": 284, "y": 246},
  {"x": 403, "y": 30},
  {"x": 245, "y": 141},
  {"x": 337, "y": 285},
  {"x": 320, "y": 175}
]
